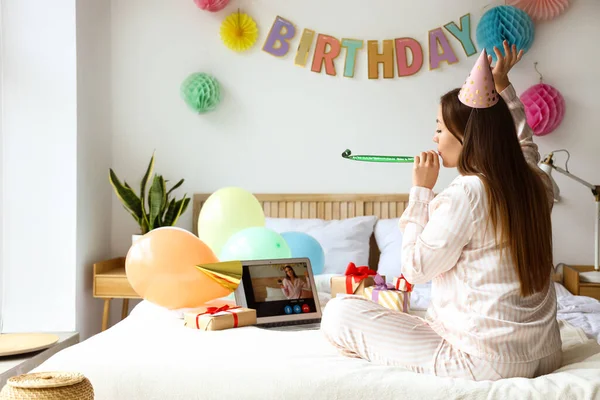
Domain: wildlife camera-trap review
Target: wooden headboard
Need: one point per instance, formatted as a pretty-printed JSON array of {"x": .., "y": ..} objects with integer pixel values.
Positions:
[{"x": 324, "y": 206}]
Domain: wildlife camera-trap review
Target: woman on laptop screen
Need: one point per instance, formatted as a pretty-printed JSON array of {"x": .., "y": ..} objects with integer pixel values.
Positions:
[{"x": 294, "y": 287}]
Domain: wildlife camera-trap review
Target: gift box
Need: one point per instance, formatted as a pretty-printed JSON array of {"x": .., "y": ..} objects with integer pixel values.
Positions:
[
  {"x": 395, "y": 296},
  {"x": 400, "y": 283},
  {"x": 354, "y": 281},
  {"x": 219, "y": 318}
]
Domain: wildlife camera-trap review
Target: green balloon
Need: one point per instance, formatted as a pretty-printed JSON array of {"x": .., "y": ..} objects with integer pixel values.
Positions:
[
  {"x": 226, "y": 212},
  {"x": 256, "y": 243}
]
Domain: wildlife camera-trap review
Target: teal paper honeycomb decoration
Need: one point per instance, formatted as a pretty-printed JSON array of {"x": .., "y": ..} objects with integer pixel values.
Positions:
[{"x": 505, "y": 23}]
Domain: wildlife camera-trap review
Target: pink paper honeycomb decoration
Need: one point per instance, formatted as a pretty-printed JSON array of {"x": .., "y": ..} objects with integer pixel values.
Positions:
[
  {"x": 544, "y": 108},
  {"x": 541, "y": 10},
  {"x": 212, "y": 5}
]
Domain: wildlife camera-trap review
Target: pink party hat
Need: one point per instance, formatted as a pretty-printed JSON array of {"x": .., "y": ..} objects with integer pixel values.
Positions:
[{"x": 479, "y": 90}]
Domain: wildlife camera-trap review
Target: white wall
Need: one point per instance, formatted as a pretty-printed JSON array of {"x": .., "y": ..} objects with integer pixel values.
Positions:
[
  {"x": 282, "y": 128},
  {"x": 93, "y": 155},
  {"x": 57, "y": 153}
]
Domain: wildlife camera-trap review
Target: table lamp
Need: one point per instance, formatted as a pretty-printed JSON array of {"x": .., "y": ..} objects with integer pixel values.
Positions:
[{"x": 547, "y": 165}]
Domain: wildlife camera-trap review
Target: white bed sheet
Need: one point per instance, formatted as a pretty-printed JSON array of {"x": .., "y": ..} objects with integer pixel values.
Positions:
[{"x": 150, "y": 355}]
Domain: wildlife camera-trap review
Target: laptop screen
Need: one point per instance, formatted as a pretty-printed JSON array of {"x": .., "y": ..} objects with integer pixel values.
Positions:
[{"x": 279, "y": 289}]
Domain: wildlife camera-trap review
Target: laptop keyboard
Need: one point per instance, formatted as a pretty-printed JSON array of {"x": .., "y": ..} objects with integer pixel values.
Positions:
[{"x": 291, "y": 323}]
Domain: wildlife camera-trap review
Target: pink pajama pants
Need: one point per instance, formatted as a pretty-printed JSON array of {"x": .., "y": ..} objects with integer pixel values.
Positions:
[{"x": 363, "y": 329}]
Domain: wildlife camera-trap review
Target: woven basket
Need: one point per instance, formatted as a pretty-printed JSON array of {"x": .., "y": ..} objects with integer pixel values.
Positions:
[{"x": 48, "y": 386}]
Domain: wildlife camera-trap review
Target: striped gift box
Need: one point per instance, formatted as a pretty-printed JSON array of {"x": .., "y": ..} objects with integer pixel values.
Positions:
[{"x": 389, "y": 298}]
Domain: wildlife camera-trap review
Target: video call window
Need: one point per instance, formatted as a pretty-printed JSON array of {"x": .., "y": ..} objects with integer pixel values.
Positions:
[{"x": 280, "y": 282}]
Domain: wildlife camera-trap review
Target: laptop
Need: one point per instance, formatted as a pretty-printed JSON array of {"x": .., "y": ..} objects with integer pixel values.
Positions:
[{"x": 283, "y": 293}]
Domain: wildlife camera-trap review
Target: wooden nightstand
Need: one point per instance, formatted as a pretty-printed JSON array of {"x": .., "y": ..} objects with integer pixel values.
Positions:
[
  {"x": 110, "y": 282},
  {"x": 573, "y": 285}
]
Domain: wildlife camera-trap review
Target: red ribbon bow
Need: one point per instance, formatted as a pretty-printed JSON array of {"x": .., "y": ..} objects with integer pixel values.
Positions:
[
  {"x": 214, "y": 310},
  {"x": 409, "y": 286},
  {"x": 356, "y": 274}
]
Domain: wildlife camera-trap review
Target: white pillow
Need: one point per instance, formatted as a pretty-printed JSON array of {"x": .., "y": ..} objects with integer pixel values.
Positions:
[
  {"x": 275, "y": 294},
  {"x": 389, "y": 241},
  {"x": 323, "y": 282},
  {"x": 343, "y": 241}
]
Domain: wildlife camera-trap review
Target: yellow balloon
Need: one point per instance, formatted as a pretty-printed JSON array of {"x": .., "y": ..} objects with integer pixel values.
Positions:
[{"x": 226, "y": 212}]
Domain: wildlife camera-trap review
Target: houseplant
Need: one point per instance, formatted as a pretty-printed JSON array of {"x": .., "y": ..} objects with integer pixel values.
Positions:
[{"x": 154, "y": 209}]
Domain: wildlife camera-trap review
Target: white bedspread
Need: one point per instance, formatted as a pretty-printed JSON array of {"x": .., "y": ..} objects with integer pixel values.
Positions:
[{"x": 150, "y": 355}]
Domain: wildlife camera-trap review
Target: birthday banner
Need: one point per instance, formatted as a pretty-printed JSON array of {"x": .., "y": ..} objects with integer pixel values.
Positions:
[{"x": 393, "y": 54}]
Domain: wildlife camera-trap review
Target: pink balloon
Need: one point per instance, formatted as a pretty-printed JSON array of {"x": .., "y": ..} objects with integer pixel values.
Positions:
[
  {"x": 212, "y": 5},
  {"x": 541, "y": 10},
  {"x": 544, "y": 108}
]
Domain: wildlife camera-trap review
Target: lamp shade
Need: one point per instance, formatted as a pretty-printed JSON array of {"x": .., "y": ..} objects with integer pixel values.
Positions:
[{"x": 547, "y": 168}]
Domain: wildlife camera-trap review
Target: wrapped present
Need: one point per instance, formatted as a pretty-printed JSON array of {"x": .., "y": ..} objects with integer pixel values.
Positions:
[
  {"x": 400, "y": 283},
  {"x": 219, "y": 318},
  {"x": 389, "y": 295},
  {"x": 354, "y": 281}
]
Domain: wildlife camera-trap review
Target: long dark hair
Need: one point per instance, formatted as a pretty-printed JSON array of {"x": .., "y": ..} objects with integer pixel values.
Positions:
[
  {"x": 517, "y": 199},
  {"x": 285, "y": 272}
]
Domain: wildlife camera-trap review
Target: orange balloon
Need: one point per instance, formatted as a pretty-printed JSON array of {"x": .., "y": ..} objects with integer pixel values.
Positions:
[{"x": 161, "y": 268}]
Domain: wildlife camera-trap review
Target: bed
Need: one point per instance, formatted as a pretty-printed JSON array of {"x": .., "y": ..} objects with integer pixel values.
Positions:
[{"x": 151, "y": 355}]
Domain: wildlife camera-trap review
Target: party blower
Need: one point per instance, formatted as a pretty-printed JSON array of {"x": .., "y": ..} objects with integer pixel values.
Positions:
[{"x": 376, "y": 158}]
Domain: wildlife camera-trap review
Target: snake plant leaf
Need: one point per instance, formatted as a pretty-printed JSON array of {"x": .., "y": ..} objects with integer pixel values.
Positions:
[
  {"x": 185, "y": 205},
  {"x": 165, "y": 200},
  {"x": 145, "y": 182},
  {"x": 126, "y": 195},
  {"x": 181, "y": 205},
  {"x": 170, "y": 214},
  {"x": 132, "y": 214},
  {"x": 155, "y": 199},
  {"x": 175, "y": 187}
]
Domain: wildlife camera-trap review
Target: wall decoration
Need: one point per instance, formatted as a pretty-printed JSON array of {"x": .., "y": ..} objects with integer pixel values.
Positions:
[
  {"x": 239, "y": 31},
  {"x": 541, "y": 10},
  {"x": 201, "y": 92},
  {"x": 544, "y": 107},
  {"x": 416, "y": 51},
  {"x": 438, "y": 40},
  {"x": 212, "y": 5},
  {"x": 304, "y": 47},
  {"x": 463, "y": 34},
  {"x": 279, "y": 37},
  {"x": 387, "y": 58},
  {"x": 505, "y": 23},
  {"x": 352, "y": 46},
  {"x": 325, "y": 56}
]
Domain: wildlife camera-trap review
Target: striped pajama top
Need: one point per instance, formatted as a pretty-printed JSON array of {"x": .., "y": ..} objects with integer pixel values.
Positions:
[{"x": 475, "y": 299}]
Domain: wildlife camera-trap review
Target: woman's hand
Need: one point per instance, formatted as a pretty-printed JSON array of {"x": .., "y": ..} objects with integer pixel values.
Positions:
[
  {"x": 426, "y": 169},
  {"x": 504, "y": 65}
]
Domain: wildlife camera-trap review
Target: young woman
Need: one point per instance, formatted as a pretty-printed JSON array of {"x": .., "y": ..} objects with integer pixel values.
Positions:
[
  {"x": 294, "y": 287},
  {"x": 485, "y": 242}
]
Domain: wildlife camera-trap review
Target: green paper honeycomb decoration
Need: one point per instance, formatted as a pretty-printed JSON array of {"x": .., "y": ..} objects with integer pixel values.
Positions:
[{"x": 201, "y": 92}]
